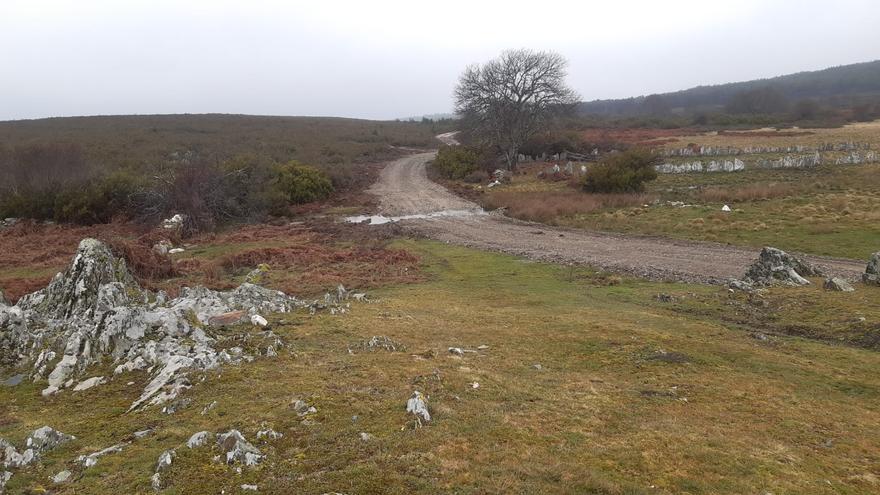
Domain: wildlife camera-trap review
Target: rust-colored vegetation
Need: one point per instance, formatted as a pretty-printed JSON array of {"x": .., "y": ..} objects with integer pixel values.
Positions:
[
  {"x": 302, "y": 261},
  {"x": 543, "y": 206}
]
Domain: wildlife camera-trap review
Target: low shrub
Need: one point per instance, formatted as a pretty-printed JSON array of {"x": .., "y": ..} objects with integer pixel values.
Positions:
[
  {"x": 299, "y": 183},
  {"x": 622, "y": 172},
  {"x": 457, "y": 162},
  {"x": 85, "y": 202}
]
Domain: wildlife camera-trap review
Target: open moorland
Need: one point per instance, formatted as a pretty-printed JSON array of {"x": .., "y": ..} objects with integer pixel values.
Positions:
[
  {"x": 537, "y": 376},
  {"x": 827, "y": 209}
]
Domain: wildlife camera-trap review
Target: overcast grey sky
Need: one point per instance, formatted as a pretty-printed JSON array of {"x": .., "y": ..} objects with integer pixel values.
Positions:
[{"x": 387, "y": 59}]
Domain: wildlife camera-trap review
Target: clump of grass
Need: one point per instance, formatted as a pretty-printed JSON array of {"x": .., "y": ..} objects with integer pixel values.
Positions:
[
  {"x": 750, "y": 192},
  {"x": 144, "y": 263},
  {"x": 547, "y": 206}
]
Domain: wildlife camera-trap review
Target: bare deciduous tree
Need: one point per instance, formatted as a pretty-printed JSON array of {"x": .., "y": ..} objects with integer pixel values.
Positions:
[{"x": 510, "y": 98}]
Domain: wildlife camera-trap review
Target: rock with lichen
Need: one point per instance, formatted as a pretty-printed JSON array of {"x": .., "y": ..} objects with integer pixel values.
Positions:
[
  {"x": 872, "y": 271},
  {"x": 776, "y": 267}
]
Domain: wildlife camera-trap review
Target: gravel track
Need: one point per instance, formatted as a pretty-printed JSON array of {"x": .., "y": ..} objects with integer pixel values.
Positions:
[{"x": 404, "y": 189}]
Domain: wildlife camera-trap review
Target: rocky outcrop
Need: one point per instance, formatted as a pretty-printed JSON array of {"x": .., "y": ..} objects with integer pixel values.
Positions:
[
  {"x": 89, "y": 460},
  {"x": 237, "y": 449},
  {"x": 776, "y": 267},
  {"x": 872, "y": 271},
  {"x": 95, "y": 282},
  {"x": 40, "y": 441},
  {"x": 96, "y": 311},
  {"x": 5, "y": 476}
]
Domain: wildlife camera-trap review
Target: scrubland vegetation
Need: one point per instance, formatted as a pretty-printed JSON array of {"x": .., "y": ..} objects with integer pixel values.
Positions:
[
  {"x": 623, "y": 172},
  {"x": 213, "y": 168},
  {"x": 827, "y": 210}
]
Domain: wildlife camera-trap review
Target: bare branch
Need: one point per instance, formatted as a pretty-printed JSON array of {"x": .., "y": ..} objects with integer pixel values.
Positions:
[{"x": 510, "y": 98}]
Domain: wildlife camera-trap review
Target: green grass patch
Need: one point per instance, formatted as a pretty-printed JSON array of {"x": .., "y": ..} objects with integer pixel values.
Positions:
[{"x": 604, "y": 414}]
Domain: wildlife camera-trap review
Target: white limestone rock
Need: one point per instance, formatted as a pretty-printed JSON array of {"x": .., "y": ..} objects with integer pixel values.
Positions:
[
  {"x": 418, "y": 405},
  {"x": 89, "y": 383},
  {"x": 237, "y": 449},
  {"x": 199, "y": 439}
]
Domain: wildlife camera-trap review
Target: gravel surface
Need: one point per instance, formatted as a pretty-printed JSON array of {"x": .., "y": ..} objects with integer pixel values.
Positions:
[{"x": 404, "y": 189}]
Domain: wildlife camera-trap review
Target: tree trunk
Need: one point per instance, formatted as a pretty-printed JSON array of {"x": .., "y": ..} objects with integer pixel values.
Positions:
[{"x": 512, "y": 156}]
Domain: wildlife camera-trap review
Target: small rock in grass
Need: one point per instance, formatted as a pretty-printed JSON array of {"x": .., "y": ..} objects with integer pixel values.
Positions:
[
  {"x": 142, "y": 433},
  {"x": 482, "y": 347},
  {"x": 89, "y": 383},
  {"x": 366, "y": 437},
  {"x": 302, "y": 408},
  {"x": 838, "y": 284},
  {"x": 199, "y": 439},
  {"x": 740, "y": 285},
  {"x": 238, "y": 449},
  {"x": 269, "y": 434},
  {"x": 90, "y": 460},
  {"x": 537, "y": 366},
  {"x": 259, "y": 321},
  {"x": 251, "y": 488},
  {"x": 665, "y": 298},
  {"x": 418, "y": 405},
  {"x": 872, "y": 271},
  {"x": 156, "y": 482},
  {"x": 210, "y": 406},
  {"x": 61, "y": 477},
  {"x": 381, "y": 342},
  {"x": 165, "y": 460}
]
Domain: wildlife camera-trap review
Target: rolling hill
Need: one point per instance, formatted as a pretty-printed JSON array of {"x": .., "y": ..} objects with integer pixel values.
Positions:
[{"x": 845, "y": 86}]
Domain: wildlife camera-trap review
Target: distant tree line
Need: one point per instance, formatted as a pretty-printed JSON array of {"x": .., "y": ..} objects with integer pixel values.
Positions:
[{"x": 849, "y": 92}]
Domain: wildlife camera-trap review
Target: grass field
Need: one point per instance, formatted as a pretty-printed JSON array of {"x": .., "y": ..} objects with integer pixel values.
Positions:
[
  {"x": 830, "y": 210},
  {"x": 635, "y": 395}
]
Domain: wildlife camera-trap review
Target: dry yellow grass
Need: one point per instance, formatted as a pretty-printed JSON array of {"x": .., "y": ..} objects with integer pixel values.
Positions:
[{"x": 863, "y": 132}]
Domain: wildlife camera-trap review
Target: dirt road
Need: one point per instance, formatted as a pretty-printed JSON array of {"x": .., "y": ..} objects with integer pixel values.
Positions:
[{"x": 405, "y": 191}]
